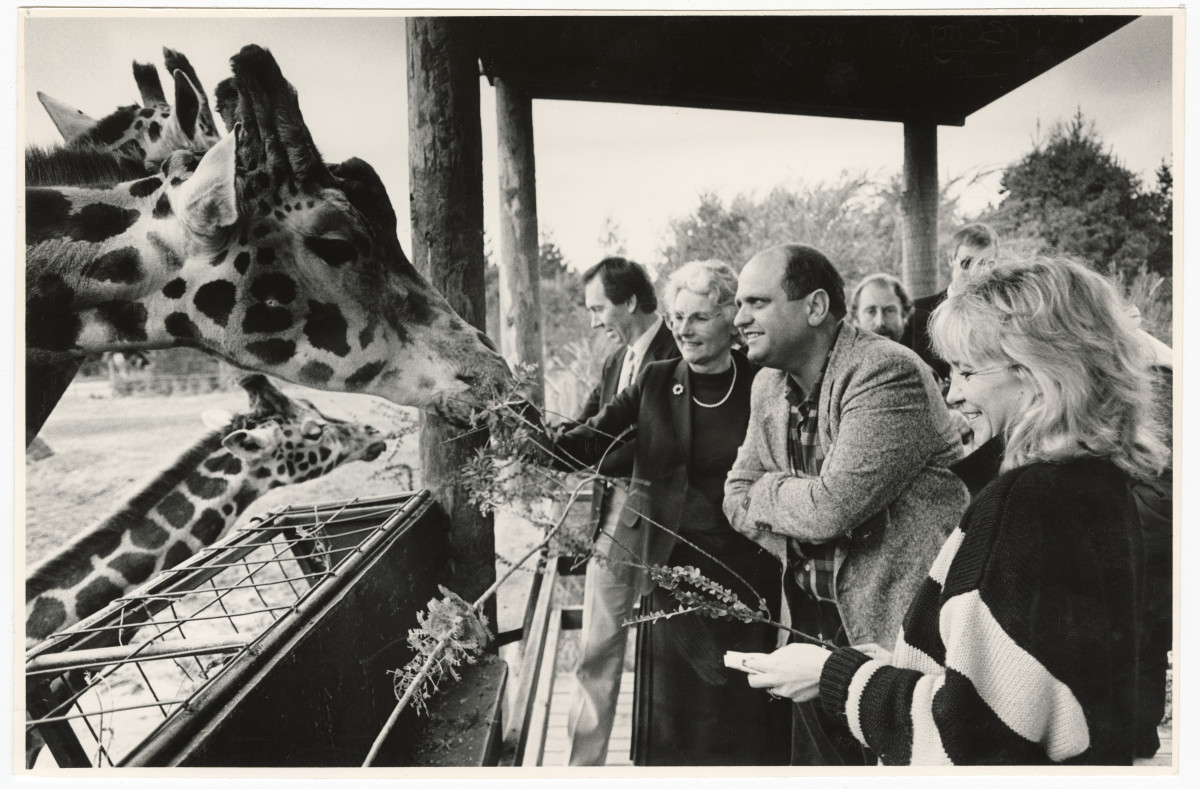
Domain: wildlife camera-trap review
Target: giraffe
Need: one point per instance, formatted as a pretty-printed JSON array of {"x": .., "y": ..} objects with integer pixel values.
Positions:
[
  {"x": 150, "y": 133},
  {"x": 258, "y": 253},
  {"x": 192, "y": 503}
]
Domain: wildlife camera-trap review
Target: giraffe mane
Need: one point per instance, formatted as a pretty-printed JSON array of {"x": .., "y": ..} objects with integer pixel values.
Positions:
[
  {"x": 78, "y": 166},
  {"x": 132, "y": 513}
]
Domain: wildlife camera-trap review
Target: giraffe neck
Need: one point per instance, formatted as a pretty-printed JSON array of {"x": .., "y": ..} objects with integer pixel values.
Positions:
[{"x": 188, "y": 506}]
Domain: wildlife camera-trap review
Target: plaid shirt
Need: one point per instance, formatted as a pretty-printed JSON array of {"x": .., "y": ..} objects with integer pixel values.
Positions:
[{"x": 812, "y": 565}]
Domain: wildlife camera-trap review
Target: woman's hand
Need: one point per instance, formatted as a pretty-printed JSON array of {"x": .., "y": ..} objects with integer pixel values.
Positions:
[{"x": 793, "y": 671}]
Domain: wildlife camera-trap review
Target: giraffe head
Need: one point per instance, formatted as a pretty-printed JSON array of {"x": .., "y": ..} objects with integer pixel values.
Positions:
[
  {"x": 285, "y": 440},
  {"x": 151, "y": 132},
  {"x": 320, "y": 291}
]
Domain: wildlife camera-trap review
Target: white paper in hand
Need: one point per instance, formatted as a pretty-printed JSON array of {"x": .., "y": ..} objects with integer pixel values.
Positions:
[{"x": 737, "y": 660}]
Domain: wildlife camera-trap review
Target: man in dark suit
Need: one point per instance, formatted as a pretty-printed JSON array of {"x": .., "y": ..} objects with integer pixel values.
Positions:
[
  {"x": 971, "y": 243},
  {"x": 621, "y": 301}
]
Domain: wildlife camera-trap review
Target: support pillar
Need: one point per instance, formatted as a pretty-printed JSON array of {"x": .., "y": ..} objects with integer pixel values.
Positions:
[
  {"x": 445, "y": 167},
  {"x": 919, "y": 236},
  {"x": 520, "y": 277}
]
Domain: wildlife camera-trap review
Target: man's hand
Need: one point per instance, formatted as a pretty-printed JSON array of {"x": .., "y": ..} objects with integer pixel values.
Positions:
[{"x": 793, "y": 671}]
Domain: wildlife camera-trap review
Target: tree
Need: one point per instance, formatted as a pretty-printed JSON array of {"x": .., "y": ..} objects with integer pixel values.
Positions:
[
  {"x": 1074, "y": 196},
  {"x": 611, "y": 240}
]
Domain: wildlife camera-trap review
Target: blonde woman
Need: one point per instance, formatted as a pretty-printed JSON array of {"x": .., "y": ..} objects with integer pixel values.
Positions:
[{"x": 1023, "y": 645}]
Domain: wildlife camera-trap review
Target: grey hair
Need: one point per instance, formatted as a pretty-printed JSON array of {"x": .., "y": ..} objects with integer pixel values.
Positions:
[{"x": 712, "y": 278}]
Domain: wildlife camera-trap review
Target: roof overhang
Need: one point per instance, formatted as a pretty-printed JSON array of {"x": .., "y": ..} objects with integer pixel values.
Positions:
[{"x": 931, "y": 69}]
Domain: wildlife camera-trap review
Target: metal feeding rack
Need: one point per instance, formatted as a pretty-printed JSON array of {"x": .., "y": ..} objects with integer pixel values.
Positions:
[{"x": 167, "y": 674}]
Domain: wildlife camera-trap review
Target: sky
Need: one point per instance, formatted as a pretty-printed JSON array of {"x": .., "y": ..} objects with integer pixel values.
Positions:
[{"x": 635, "y": 167}]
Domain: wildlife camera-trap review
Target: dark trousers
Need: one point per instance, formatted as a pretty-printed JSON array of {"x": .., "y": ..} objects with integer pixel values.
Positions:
[{"x": 816, "y": 739}]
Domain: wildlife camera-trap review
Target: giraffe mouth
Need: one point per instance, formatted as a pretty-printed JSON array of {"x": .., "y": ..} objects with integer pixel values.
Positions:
[{"x": 374, "y": 450}]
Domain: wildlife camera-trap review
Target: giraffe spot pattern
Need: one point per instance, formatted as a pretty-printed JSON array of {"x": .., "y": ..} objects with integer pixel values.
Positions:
[
  {"x": 272, "y": 351},
  {"x": 224, "y": 464},
  {"x": 162, "y": 209},
  {"x": 226, "y": 509},
  {"x": 274, "y": 286},
  {"x": 123, "y": 265},
  {"x": 242, "y": 262},
  {"x": 326, "y": 328},
  {"x": 179, "y": 325},
  {"x": 364, "y": 375},
  {"x": 219, "y": 258},
  {"x": 244, "y": 498},
  {"x": 177, "y": 554},
  {"x": 264, "y": 319},
  {"x": 94, "y": 596},
  {"x": 127, "y": 319},
  {"x": 46, "y": 210},
  {"x": 425, "y": 382},
  {"x": 262, "y": 473},
  {"x": 175, "y": 288},
  {"x": 50, "y": 323},
  {"x": 261, "y": 231},
  {"x": 147, "y": 534},
  {"x": 325, "y": 453},
  {"x": 99, "y": 222},
  {"x": 147, "y": 112},
  {"x": 176, "y": 510},
  {"x": 134, "y": 567},
  {"x": 47, "y": 616},
  {"x": 216, "y": 300},
  {"x": 315, "y": 373},
  {"x": 203, "y": 487},
  {"x": 145, "y": 187},
  {"x": 155, "y": 131},
  {"x": 265, "y": 255},
  {"x": 208, "y": 526},
  {"x": 112, "y": 127},
  {"x": 366, "y": 336}
]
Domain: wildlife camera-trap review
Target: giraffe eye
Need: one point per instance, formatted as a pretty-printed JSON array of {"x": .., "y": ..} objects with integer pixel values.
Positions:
[
  {"x": 312, "y": 430},
  {"x": 334, "y": 251}
]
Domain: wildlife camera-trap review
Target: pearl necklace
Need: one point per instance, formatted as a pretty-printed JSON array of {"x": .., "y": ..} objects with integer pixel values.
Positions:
[{"x": 720, "y": 402}]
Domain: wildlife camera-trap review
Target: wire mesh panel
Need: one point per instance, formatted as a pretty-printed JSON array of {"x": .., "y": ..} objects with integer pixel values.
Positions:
[{"x": 139, "y": 682}]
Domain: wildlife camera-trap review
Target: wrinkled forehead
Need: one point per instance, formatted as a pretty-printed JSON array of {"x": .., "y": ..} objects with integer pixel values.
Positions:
[{"x": 878, "y": 294}]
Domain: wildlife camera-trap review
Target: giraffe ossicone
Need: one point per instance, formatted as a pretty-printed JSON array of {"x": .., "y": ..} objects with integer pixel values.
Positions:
[
  {"x": 257, "y": 253},
  {"x": 192, "y": 503}
]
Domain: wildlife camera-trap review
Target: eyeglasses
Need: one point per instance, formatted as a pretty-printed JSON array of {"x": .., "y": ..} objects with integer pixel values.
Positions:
[{"x": 967, "y": 375}]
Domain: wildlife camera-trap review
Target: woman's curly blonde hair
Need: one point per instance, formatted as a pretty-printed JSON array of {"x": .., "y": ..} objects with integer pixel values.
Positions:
[{"x": 1064, "y": 330}]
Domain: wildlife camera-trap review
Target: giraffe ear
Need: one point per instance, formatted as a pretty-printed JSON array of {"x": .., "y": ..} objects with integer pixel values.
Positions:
[
  {"x": 251, "y": 444},
  {"x": 207, "y": 202},
  {"x": 70, "y": 122},
  {"x": 187, "y": 103}
]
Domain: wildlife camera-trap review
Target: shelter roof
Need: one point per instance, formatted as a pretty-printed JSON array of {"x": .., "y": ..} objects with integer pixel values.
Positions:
[{"x": 936, "y": 69}]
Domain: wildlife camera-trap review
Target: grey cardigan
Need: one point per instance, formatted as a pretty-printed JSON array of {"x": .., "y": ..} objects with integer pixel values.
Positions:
[{"x": 885, "y": 493}]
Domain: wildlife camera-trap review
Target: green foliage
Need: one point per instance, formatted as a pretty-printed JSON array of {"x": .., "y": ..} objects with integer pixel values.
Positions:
[{"x": 1074, "y": 197}]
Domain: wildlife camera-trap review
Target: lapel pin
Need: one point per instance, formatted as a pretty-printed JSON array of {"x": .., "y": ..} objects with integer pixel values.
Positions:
[{"x": 677, "y": 389}]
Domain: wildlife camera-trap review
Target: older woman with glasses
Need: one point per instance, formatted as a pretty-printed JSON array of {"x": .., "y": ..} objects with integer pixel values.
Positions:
[
  {"x": 689, "y": 417},
  {"x": 1023, "y": 645}
]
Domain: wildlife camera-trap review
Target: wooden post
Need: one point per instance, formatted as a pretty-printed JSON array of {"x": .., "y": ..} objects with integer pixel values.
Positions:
[
  {"x": 919, "y": 262},
  {"x": 520, "y": 301},
  {"x": 445, "y": 168}
]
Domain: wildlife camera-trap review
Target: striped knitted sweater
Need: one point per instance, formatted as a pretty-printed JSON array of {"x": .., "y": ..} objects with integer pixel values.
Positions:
[{"x": 1020, "y": 647}]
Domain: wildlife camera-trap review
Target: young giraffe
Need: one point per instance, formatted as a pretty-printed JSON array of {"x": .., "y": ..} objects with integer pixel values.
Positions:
[
  {"x": 192, "y": 503},
  {"x": 259, "y": 254},
  {"x": 148, "y": 134}
]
